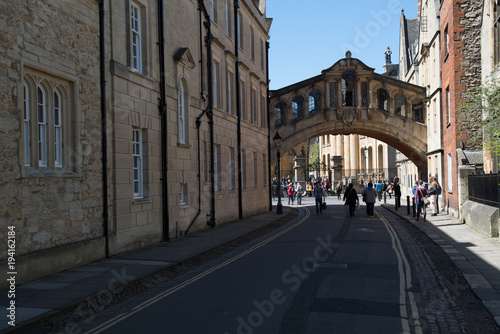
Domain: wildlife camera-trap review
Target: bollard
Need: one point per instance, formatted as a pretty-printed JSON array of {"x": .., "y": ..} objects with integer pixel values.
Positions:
[
  {"x": 408, "y": 204},
  {"x": 414, "y": 211},
  {"x": 385, "y": 197}
]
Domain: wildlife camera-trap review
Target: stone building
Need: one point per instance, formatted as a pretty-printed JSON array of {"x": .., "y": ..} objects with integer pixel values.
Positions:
[
  {"x": 174, "y": 138},
  {"x": 51, "y": 184},
  {"x": 460, "y": 25}
]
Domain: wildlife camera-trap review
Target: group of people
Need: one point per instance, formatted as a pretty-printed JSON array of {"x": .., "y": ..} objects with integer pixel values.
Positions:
[
  {"x": 421, "y": 191},
  {"x": 318, "y": 189}
]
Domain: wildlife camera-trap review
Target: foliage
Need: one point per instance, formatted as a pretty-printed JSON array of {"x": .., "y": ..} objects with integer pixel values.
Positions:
[
  {"x": 486, "y": 98},
  {"x": 314, "y": 159}
]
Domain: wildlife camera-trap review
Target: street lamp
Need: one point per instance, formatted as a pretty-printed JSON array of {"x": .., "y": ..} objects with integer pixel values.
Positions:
[
  {"x": 365, "y": 151},
  {"x": 277, "y": 142}
]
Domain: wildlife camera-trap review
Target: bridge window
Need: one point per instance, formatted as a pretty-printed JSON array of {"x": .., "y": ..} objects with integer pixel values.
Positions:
[
  {"x": 400, "y": 105},
  {"x": 298, "y": 107},
  {"x": 333, "y": 94},
  {"x": 314, "y": 104},
  {"x": 280, "y": 113},
  {"x": 348, "y": 88},
  {"x": 418, "y": 110},
  {"x": 364, "y": 94},
  {"x": 383, "y": 99}
]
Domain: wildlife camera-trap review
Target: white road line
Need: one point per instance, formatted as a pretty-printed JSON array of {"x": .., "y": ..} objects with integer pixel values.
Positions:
[
  {"x": 110, "y": 323},
  {"x": 404, "y": 282}
]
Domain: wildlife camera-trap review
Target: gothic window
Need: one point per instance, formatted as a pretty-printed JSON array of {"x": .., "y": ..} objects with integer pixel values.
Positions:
[
  {"x": 298, "y": 107},
  {"x": 349, "y": 88},
  {"x": 399, "y": 105},
  {"x": 280, "y": 113},
  {"x": 314, "y": 104},
  {"x": 49, "y": 123},
  {"x": 382, "y": 99},
  {"x": 418, "y": 110}
]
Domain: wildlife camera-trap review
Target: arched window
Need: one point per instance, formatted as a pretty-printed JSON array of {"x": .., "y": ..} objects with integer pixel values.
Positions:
[
  {"x": 27, "y": 146},
  {"x": 58, "y": 162},
  {"x": 42, "y": 126},
  {"x": 314, "y": 104},
  {"x": 380, "y": 155},
  {"x": 298, "y": 107},
  {"x": 383, "y": 99},
  {"x": 399, "y": 105},
  {"x": 348, "y": 88},
  {"x": 418, "y": 110},
  {"x": 280, "y": 114}
]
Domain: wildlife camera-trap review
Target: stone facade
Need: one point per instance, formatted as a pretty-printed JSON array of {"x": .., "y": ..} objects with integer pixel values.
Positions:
[
  {"x": 51, "y": 180},
  {"x": 52, "y": 177}
]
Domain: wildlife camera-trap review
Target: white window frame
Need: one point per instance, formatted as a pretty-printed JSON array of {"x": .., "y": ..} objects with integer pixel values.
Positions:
[
  {"x": 137, "y": 169},
  {"x": 58, "y": 135},
  {"x": 448, "y": 106},
  {"x": 255, "y": 177},
  {"x": 184, "y": 194},
  {"x": 216, "y": 85},
  {"x": 42, "y": 126},
  {"x": 26, "y": 111},
  {"x": 135, "y": 38},
  {"x": 232, "y": 169},
  {"x": 182, "y": 114},
  {"x": 230, "y": 80},
  {"x": 229, "y": 31},
  {"x": 450, "y": 173}
]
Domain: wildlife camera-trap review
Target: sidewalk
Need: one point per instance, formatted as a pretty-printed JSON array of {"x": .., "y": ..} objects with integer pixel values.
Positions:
[
  {"x": 48, "y": 296},
  {"x": 477, "y": 256}
]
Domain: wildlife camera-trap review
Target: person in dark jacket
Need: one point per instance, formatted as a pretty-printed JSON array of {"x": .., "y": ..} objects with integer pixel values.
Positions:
[
  {"x": 369, "y": 197},
  {"x": 351, "y": 198}
]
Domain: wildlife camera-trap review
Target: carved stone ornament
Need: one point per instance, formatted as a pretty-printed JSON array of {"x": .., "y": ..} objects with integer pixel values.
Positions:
[{"x": 349, "y": 117}]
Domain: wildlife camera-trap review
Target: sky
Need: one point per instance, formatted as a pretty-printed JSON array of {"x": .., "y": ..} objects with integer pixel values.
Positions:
[{"x": 310, "y": 36}]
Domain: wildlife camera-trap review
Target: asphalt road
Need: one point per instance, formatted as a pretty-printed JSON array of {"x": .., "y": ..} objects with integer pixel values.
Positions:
[{"x": 326, "y": 274}]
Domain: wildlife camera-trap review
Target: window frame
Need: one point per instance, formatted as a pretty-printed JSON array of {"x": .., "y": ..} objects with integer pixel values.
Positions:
[
  {"x": 138, "y": 164},
  {"x": 135, "y": 32}
]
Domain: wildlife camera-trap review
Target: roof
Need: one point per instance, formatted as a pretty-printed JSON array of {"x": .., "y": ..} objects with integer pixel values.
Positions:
[{"x": 470, "y": 157}]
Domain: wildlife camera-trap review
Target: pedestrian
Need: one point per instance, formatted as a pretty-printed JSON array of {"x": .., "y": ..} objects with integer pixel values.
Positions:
[
  {"x": 397, "y": 192},
  {"x": 369, "y": 196},
  {"x": 309, "y": 189},
  {"x": 434, "y": 189},
  {"x": 291, "y": 193},
  {"x": 327, "y": 185},
  {"x": 389, "y": 190},
  {"x": 339, "y": 190},
  {"x": 318, "y": 195},
  {"x": 420, "y": 194},
  {"x": 298, "y": 192},
  {"x": 378, "y": 187},
  {"x": 351, "y": 198}
]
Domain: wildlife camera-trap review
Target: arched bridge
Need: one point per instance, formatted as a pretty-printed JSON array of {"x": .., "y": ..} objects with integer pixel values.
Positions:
[{"x": 350, "y": 98}]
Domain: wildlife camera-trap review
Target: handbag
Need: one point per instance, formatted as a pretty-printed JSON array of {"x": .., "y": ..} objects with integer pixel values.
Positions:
[
  {"x": 426, "y": 200},
  {"x": 347, "y": 197}
]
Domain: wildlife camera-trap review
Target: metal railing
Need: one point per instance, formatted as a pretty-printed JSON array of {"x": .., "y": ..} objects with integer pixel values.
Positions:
[{"x": 484, "y": 189}]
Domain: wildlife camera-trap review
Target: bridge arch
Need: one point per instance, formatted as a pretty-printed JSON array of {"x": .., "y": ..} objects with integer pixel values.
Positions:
[{"x": 392, "y": 118}]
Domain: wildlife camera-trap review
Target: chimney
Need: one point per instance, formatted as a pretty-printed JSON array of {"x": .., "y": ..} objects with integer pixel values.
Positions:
[{"x": 419, "y": 9}]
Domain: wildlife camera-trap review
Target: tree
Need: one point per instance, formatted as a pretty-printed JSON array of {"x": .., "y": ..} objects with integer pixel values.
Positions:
[
  {"x": 314, "y": 160},
  {"x": 486, "y": 98}
]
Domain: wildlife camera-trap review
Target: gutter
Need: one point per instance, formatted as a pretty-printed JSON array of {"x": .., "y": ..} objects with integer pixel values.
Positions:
[
  {"x": 104, "y": 139},
  {"x": 162, "y": 108},
  {"x": 238, "y": 108}
]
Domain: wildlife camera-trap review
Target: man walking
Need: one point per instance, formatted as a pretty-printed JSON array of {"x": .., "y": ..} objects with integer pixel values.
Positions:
[
  {"x": 298, "y": 191},
  {"x": 369, "y": 196}
]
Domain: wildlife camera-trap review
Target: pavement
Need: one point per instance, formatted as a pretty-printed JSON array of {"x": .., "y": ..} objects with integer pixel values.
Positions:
[{"x": 477, "y": 256}]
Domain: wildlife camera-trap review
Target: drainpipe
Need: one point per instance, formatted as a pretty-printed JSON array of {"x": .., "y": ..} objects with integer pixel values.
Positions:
[
  {"x": 198, "y": 124},
  {"x": 238, "y": 108},
  {"x": 162, "y": 108},
  {"x": 268, "y": 130},
  {"x": 209, "y": 109},
  {"x": 104, "y": 139}
]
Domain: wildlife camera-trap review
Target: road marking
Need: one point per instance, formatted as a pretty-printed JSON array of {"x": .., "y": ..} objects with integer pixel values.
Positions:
[
  {"x": 110, "y": 323},
  {"x": 404, "y": 281}
]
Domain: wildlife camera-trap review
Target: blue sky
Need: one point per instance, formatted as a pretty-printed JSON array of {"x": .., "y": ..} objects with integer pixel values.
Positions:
[{"x": 310, "y": 36}]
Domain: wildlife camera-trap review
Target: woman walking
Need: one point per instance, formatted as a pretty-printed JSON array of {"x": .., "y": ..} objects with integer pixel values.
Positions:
[
  {"x": 420, "y": 193},
  {"x": 351, "y": 198}
]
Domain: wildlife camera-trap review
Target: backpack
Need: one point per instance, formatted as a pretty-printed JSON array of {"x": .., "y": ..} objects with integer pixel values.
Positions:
[{"x": 438, "y": 188}]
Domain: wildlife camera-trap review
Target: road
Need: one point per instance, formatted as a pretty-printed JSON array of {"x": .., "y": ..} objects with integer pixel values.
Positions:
[{"x": 324, "y": 274}]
